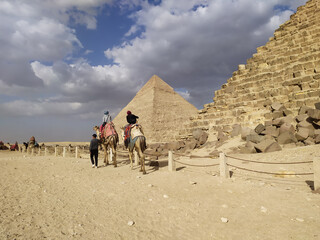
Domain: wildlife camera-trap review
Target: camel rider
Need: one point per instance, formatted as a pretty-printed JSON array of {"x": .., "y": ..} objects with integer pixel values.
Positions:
[
  {"x": 131, "y": 118},
  {"x": 106, "y": 117}
]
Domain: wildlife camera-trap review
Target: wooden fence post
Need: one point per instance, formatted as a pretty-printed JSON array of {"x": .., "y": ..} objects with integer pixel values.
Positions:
[
  {"x": 136, "y": 159},
  {"x": 64, "y": 152},
  {"x": 224, "y": 170},
  {"x": 316, "y": 174},
  {"x": 76, "y": 151},
  {"x": 171, "y": 163}
]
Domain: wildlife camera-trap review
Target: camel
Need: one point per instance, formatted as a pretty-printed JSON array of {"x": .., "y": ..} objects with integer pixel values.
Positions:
[
  {"x": 14, "y": 147},
  {"x": 107, "y": 143},
  {"x": 32, "y": 143},
  {"x": 137, "y": 142}
]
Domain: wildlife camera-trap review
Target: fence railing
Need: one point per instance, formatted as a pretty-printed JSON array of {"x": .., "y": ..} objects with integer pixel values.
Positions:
[{"x": 223, "y": 161}]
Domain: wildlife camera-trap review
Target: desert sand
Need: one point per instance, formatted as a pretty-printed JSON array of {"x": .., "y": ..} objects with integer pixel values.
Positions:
[{"x": 47, "y": 197}]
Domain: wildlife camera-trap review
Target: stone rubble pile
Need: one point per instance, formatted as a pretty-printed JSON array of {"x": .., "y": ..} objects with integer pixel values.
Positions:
[
  {"x": 199, "y": 138},
  {"x": 284, "y": 128}
]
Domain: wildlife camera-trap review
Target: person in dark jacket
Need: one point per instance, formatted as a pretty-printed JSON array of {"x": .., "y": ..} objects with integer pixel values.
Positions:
[
  {"x": 131, "y": 119},
  {"x": 94, "y": 144}
]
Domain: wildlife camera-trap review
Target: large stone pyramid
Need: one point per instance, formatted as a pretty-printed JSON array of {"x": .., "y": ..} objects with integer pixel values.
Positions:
[
  {"x": 285, "y": 70},
  {"x": 161, "y": 111}
]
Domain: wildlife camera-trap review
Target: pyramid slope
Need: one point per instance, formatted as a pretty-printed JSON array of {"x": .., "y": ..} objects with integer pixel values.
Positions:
[
  {"x": 160, "y": 109},
  {"x": 285, "y": 70}
]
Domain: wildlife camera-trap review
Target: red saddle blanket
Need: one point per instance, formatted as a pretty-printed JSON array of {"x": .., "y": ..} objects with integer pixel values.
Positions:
[
  {"x": 107, "y": 130},
  {"x": 127, "y": 132}
]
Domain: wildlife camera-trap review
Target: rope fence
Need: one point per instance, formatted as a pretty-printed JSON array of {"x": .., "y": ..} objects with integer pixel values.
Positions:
[
  {"x": 224, "y": 165},
  {"x": 271, "y": 173},
  {"x": 245, "y": 160},
  {"x": 193, "y": 165},
  {"x": 224, "y": 160}
]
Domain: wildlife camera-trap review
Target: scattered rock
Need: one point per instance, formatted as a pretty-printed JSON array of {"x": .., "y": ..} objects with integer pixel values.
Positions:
[
  {"x": 224, "y": 220},
  {"x": 263, "y": 209},
  {"x": 314, "y": 113},
  {"x": 260, "y": 128},
  {"x": 276, "y": 106},
  {"x": 300, "y": 219},
  {"x": 165, "y": 196},
  {"x": 268, "y": 145},
  {"x": 131, "y": 223},
  {"x": 287, "y": 137}
]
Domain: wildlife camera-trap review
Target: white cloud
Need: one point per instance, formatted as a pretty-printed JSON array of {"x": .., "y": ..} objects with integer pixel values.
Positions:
[{"x": 194, "y": 45}]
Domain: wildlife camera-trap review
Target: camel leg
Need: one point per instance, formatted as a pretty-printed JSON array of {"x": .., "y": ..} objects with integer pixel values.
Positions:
[
  {"x": 114, "y": 152},
  {"x": 141, "y": 157},
  {"x": 130, "y": 157},
  {"x": 106, "y": 158}
]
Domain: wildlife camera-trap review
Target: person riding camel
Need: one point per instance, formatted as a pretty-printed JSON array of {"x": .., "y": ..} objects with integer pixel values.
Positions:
[
  {"x": 106, "y": 117},
  {"x": 131, "y": 118}
]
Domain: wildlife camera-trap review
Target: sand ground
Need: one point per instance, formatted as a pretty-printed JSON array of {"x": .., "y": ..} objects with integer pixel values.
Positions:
[{"x": 47, "y": 197}]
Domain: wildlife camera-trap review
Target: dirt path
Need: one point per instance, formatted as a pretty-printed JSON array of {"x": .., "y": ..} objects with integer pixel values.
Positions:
[{"x": 55, "y": 198}]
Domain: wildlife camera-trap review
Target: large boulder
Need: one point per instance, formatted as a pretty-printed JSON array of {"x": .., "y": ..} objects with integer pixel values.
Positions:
[
  {"x": 191, "y": 145},
  {"x": 286, "y": 127},
  {"x": 286, "y": 137},
  {"x": 197, "y": 133},
  {"x": 254, "y": 137},
  {"x": 309, "y": 141},
  {"x": 268, "y": 145},
  {"x": 203, "y": 138},
  {"x": 304, "y": 124},
  {"x": 271, "y": 131},
  {"x": 277, "y": 114},
  {"x": 245, "y": 131},
  {"x": 302, "y": 134},
  {"x": 301, "y": 117},
  {"x": 287, "y": 119},
  {"x": 314, "y": 113},
  {"x": 276, "y": 106},
  {"x": 303, "y": 110},
  {"x": 260, "y": 128},
  {"x": 222, "y": 136},
  {"x": 236, "y": 130}
]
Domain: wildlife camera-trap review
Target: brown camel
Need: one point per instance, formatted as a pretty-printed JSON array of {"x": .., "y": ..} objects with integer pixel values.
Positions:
[
  {"x": 108, "y": 143},
  {"x": 138, "y": 143}
]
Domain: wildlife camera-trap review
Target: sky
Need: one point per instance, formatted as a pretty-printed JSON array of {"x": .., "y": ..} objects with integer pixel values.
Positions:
[{"x": 64, "y": 62}]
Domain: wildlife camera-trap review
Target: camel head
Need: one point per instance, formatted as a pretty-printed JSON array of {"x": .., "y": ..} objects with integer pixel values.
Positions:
[{"x": 97, "y": 130}]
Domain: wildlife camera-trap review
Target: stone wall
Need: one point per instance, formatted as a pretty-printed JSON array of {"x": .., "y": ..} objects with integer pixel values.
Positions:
[{"x": 285, "y": 70}]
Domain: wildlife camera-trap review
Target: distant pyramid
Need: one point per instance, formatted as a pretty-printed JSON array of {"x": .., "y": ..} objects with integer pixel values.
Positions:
[{"x": 160, "y": 109}]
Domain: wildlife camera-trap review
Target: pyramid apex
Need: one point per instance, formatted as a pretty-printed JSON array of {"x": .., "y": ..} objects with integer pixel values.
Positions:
[{"x": 157, "y": 83}]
